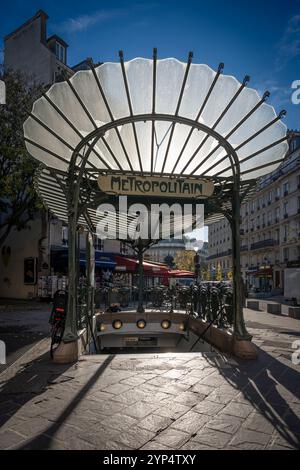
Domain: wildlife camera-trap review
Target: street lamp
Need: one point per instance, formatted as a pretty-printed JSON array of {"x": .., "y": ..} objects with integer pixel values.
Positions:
[{"x": 197, "y": 264}]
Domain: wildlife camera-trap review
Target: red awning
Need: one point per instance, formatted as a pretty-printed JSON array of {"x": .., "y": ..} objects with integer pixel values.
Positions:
[
  {"x": 130, "y": 265},
  {"x": 180, "y": 273},
  {"x": 261, "y": 273}
]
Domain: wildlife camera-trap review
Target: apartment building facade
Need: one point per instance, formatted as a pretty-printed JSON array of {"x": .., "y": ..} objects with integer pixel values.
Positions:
[
  {"x": 34, "y": 252},
  {"x": 28, "y": 49},
  {"x": 270, "y": 228}
]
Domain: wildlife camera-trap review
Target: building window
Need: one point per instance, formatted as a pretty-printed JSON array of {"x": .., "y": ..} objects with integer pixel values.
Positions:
[
  {"x": 269, "y": 217},
  {"x": 64, "y": 236},
  {"x": 98, "y": 244},
  {"x": 286, "y": 187},
  {"x": 277, "y": 193},
  {"x": 285, "y": 209},
  {"x": 286, "y": 254},
  {"x": 269, "y": 197},
  {"x": 60, "y": 52}
]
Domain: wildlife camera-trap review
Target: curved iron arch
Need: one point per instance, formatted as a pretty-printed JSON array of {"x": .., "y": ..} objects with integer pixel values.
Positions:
[{"x": 101, "y": 131}]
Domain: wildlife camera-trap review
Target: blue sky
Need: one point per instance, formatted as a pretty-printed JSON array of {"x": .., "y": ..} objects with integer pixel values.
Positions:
[{"x": 259, "y": 38}]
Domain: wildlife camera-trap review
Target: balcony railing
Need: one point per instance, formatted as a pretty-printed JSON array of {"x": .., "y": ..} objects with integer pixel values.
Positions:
[
  {"x": 220, "y": 255},
  {"x": 263, "y": 244}
]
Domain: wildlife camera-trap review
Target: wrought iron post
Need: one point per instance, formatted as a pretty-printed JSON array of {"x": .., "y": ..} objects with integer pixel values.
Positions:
[
  {"x": 239, "y": 327},
  {"x": 70, "y": 333},
  {"x": 140, "y": 307},
  {"x": 90, "y": 276}
]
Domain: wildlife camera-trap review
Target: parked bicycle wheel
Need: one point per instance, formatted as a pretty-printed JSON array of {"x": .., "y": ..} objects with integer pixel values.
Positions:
[{"x": 56, "y": 338}]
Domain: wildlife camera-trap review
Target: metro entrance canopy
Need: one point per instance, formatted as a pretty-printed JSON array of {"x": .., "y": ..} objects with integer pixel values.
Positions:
[{"x": 161, "y": 120}]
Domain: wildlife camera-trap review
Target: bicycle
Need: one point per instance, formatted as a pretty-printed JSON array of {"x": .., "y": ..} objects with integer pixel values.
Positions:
[{"x": 57, "y": 319}]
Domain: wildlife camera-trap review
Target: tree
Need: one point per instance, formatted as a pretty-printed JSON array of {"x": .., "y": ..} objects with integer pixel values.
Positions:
[
  {"x": 169, "y": 260},
  {"x": 219, "y": 273},
  {"x": 19, "y": 202},
  {"x": 185, "y": 260},
  {"x": 205, "y": 274}
]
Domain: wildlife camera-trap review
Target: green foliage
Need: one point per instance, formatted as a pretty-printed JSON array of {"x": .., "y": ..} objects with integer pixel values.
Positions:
[
  {"x": 18, "y": 200},
  {"x": 219, "y": 275},
  {"x": 169, "y": 260},
  {"x": 185, "y": 260}
]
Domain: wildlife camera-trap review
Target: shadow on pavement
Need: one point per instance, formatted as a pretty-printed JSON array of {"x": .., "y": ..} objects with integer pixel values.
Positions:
[
  {"x": 30, "y": 382},
  {"x": 270, "y": 387}
]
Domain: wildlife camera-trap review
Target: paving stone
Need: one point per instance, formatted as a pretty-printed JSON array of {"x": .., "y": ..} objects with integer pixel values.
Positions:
[
  {"x": 286, "y": 442},
  {"x": 189, "y": 380},
  {"x": 155, "y": 422},
  {"x": 161, "y": 381},
  {"x": 240, "y": 410},
  {"x": 189, "y": 398},
  {"x": 120, "y": 422},
  {"x": 195, "y": 445},
  {"x": 32, "y": 426},
  {"x": 214, "y": 380},
  {"x": 117, "y": 389},
  {"x": 99, "y": 436},
  {"x": 248, "y": 440},
  {"x": 174, "y": 373},
  {"x": 78, "y": 443},
  {"x": 208, "y": 407},
  {"x": 112, "y": 445},
  {"x": 140, "y": 409},
  {"x": 156, "y": 397},
  {"x": 190, "y": 422},
  {"x": 218, "y": 397},
  {"x": 135, "y": 438},
  {"x": 175, "y": 388},
  {"x": 203, "y": 389},
  {"x": 154, "y": 445},
  {"x": 41, "y": 442},
  {"x": 215, "y": 439},
  {"x": 258, "y": 422},
  {"x": 225, "y": 423},
  {"x": 173, "y": 410},
  {"x": 10, "y": 438},
  {"x": 30, "y": 411},
  {"x": 135, "y": 380},
  {"x": 172, "y": 438},
  {"x": 201, "y": 373},
  {"x": 129, "y": 397}
]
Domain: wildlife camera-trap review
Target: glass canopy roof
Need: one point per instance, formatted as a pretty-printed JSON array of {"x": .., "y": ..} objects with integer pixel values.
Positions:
[{"x": 155, "y": 116}]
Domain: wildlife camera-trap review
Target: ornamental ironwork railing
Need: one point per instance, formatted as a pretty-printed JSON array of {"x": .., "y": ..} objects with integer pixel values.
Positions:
[{"x": 213, "y": 303}]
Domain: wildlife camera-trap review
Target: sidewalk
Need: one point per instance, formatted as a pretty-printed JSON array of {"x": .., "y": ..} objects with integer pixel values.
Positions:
[
  {"x": 22, "y": 324},
  {"x": 172, "y": 401}
]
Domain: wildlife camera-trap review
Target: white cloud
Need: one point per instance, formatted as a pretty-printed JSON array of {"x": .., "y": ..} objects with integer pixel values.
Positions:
[
  {"x": 280, "y": 95},
  {"x": 83, "y": 22},
  {"x": 289, "y": 45}
]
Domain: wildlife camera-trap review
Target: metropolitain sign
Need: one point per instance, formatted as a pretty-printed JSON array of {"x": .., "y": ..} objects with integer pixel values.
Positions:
[{"x": 155, "y": 186}]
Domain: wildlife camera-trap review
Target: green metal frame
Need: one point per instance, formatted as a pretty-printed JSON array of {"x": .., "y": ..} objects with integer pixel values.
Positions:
[
  {"x": 76, "y": 175},
  {"x": 226, "y": 200}
]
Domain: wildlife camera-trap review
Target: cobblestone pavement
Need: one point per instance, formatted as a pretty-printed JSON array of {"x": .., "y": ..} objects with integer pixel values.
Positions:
[
  {"x": 22, "y": 324},
  {"x": 184, "y": 401}
]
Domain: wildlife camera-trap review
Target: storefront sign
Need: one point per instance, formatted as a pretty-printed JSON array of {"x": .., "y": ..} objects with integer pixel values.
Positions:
[{"x": 155, "y": 186}]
